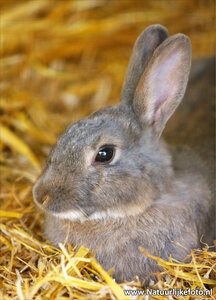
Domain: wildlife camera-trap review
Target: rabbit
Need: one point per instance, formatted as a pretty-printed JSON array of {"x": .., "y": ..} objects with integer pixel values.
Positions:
[{"x": 112, "y": 184}]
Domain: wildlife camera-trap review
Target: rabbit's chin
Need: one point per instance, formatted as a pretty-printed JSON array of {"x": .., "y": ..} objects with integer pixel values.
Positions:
[{"x": 117, "y": 213}]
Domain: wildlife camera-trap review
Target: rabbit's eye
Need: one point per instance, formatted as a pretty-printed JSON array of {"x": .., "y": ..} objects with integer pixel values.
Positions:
[{"x": 105, "y": 154}]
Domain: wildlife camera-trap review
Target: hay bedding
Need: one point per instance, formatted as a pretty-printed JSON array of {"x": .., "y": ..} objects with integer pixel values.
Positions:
[{"x": 61, "y": 60}]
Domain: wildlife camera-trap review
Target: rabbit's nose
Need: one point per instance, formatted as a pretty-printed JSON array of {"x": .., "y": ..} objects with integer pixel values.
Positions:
[
  {"x": 41, "y": 197},
  {"x": 45, "y": 200}
]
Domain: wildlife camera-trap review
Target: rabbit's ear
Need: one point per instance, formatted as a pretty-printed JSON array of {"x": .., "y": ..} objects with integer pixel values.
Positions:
[
  {"x": 163, "y": 83},
  {"x": 143, "y": 50}
]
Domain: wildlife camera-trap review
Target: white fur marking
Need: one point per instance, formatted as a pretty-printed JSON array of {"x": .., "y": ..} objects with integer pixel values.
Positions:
[
  {"x": 73, "y": 215},
  {"x": 76, "y": 215},
  {"x": 107, "y": 215}
]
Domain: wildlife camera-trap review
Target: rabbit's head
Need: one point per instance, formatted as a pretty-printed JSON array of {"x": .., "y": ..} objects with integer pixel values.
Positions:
[{"x": 112, "y": 163}]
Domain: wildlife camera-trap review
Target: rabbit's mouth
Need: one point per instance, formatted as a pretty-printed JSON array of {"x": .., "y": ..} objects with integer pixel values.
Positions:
[{"x": 48, "y": 206}]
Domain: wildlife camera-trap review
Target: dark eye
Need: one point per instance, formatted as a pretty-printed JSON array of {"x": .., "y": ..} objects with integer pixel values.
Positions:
[{"x": 105, "y": 154}]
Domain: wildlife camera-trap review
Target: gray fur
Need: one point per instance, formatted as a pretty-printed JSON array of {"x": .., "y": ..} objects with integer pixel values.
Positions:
[{"x": 151, "y": 196}]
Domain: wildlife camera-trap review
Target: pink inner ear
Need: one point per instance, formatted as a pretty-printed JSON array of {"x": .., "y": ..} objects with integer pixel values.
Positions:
[
  {"x": 162, "y": 99},
  {"x": 165, "y": 82}
]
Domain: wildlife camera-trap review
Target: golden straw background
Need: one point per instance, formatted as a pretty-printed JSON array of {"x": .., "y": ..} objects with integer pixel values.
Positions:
[{"x": 60, "y": 61}]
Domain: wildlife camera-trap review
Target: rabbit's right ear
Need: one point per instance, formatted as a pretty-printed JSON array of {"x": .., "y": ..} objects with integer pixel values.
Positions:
[
  {"x": 143, "y": 50},
  {"x": 163, "y": 83}
]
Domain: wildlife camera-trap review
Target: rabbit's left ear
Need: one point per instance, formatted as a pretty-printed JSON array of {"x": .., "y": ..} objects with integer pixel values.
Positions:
[
  {"x": 143, "y": 50},
  {"x": 163, "y": 83}
]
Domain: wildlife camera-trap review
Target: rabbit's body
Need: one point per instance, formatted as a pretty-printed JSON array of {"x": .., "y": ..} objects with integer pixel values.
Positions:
[
  {"x": 112, "y": 185},
  {"x": 193, "y": 141}
]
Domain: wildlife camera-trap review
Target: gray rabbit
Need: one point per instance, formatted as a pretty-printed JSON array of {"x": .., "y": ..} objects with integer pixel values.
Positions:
[{"x": 115, "y": 181}]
